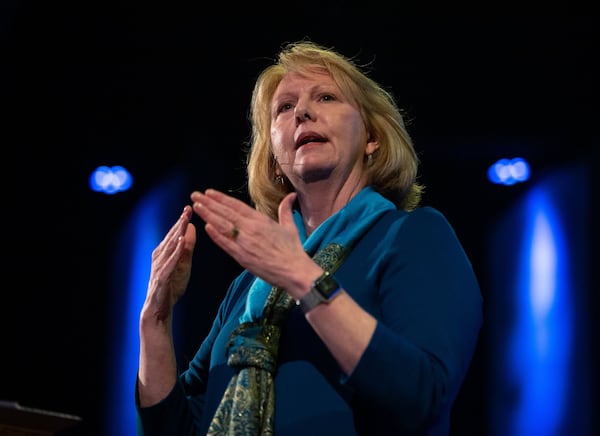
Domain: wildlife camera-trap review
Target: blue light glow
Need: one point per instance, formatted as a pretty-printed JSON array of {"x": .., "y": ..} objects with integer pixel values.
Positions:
[
  {"x": 110, "y": 180},
  {"x": 541, "y": 342},
  {"x": 142, "y": 232},
  {"x": 509, "y": 171}
]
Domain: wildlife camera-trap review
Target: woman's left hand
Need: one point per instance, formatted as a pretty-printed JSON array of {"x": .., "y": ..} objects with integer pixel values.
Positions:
[{"x": 269, "y": 249}]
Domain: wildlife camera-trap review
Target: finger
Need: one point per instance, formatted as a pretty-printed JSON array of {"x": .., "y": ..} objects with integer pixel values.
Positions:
[
  {"x": 286, "y": 217},
  {"x": 213, "y": 206},
  {"x": 214, "y": 214},
  {"x": 223, "y": 240},
  {"x": 183, "y": 250},
  {"x": 222, "y": 212},
  {"x": 179, "y": 227},
  {"x": 181, "y": 223},
  {"x": 189, "y": 238},
  {"x": 230, "y": 204}
]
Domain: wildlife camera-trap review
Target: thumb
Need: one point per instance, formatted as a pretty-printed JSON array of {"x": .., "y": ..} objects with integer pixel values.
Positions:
[{"x": 286, "y": 218}]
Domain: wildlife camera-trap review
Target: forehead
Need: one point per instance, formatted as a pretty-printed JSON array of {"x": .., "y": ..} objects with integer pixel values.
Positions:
[{"x": 294, "y": 81}]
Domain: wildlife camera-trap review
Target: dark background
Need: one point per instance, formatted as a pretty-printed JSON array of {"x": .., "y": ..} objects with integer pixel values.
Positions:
[{"x": 165, "y": 88}]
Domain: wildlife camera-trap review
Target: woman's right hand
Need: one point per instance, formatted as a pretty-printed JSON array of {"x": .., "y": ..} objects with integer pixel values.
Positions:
[{"x": 171, "y": 268}]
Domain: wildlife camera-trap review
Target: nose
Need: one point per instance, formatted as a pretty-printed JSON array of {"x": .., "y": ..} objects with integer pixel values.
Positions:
[{"x": 303, "y": 113}]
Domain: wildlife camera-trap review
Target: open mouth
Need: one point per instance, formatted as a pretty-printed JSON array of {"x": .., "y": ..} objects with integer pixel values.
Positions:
[{"x": 305, "y": 139}]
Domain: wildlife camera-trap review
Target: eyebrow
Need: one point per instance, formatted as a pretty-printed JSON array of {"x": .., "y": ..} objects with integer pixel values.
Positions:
[{"x": 316, "y": 87}]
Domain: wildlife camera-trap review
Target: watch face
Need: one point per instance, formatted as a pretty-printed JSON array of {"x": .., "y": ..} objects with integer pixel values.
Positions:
[
  {"x": 321, "y": 291},
  {"x": 326, "y": 285}
]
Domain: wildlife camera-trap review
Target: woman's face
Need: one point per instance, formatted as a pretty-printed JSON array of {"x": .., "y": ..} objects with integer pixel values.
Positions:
[{"x": 317, "y": 133}]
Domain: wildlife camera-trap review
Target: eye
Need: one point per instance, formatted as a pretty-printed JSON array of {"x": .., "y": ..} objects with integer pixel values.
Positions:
[
  {"x": 327, "y": 97},
  {"x": 284, "y": 107}
]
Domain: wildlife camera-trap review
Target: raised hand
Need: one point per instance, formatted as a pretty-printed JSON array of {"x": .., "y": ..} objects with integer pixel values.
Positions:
[
  {"x": 171, "y": 267},
  {"x": 269, "y": 249}
]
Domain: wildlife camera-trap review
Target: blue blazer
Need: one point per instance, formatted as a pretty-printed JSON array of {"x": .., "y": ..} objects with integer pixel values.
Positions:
[{"x": 411, "y": 273}]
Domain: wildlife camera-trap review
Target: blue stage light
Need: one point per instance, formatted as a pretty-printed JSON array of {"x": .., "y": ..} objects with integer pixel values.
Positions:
[
  {"x": 509, "y": 171},
  {"x": 110, "y": 180}
]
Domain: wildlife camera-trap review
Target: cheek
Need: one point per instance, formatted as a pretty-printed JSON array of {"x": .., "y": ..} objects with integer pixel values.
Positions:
[
  {"x": 354, "y": 130},
  {"x": 355, "y": 124},
  {"x": 277, "y": 141}
]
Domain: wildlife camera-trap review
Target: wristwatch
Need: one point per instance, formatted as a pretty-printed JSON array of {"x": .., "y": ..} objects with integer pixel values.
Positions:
[{"x": 323, "y": 290}]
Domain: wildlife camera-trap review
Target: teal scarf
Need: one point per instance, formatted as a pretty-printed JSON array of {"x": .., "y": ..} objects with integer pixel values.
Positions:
[
  {"x": 248, "y": 404},
  {"x": 343, "y": 228}
]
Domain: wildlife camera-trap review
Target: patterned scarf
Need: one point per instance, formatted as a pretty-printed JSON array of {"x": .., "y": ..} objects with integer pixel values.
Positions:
[{"x": 248, "y": 404}]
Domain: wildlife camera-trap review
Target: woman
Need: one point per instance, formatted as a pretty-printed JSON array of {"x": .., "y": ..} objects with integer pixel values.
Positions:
[{"x": 357, "y": 311}]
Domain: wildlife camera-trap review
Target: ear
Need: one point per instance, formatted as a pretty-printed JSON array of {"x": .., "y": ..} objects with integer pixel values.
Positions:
[{"x": 372, "y": 146}]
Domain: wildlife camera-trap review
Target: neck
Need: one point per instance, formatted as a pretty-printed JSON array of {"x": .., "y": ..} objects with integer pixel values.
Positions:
[{"x": 319, "y": 200}]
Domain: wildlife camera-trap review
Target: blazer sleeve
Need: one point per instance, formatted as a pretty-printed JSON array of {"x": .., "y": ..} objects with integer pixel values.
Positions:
[
  {"x": 181, "y": 411},
  {"x": 429, "y": 318}
]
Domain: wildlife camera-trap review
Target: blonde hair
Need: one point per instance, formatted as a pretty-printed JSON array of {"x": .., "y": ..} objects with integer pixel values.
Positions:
[{"x": 393, "y": 167}]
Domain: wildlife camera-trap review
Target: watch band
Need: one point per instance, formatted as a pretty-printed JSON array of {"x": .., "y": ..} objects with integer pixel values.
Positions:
[{"x": 323, "y": 290}]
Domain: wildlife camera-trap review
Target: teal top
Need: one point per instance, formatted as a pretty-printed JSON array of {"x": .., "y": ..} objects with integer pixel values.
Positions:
[{"x": 412, "y": 274}]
